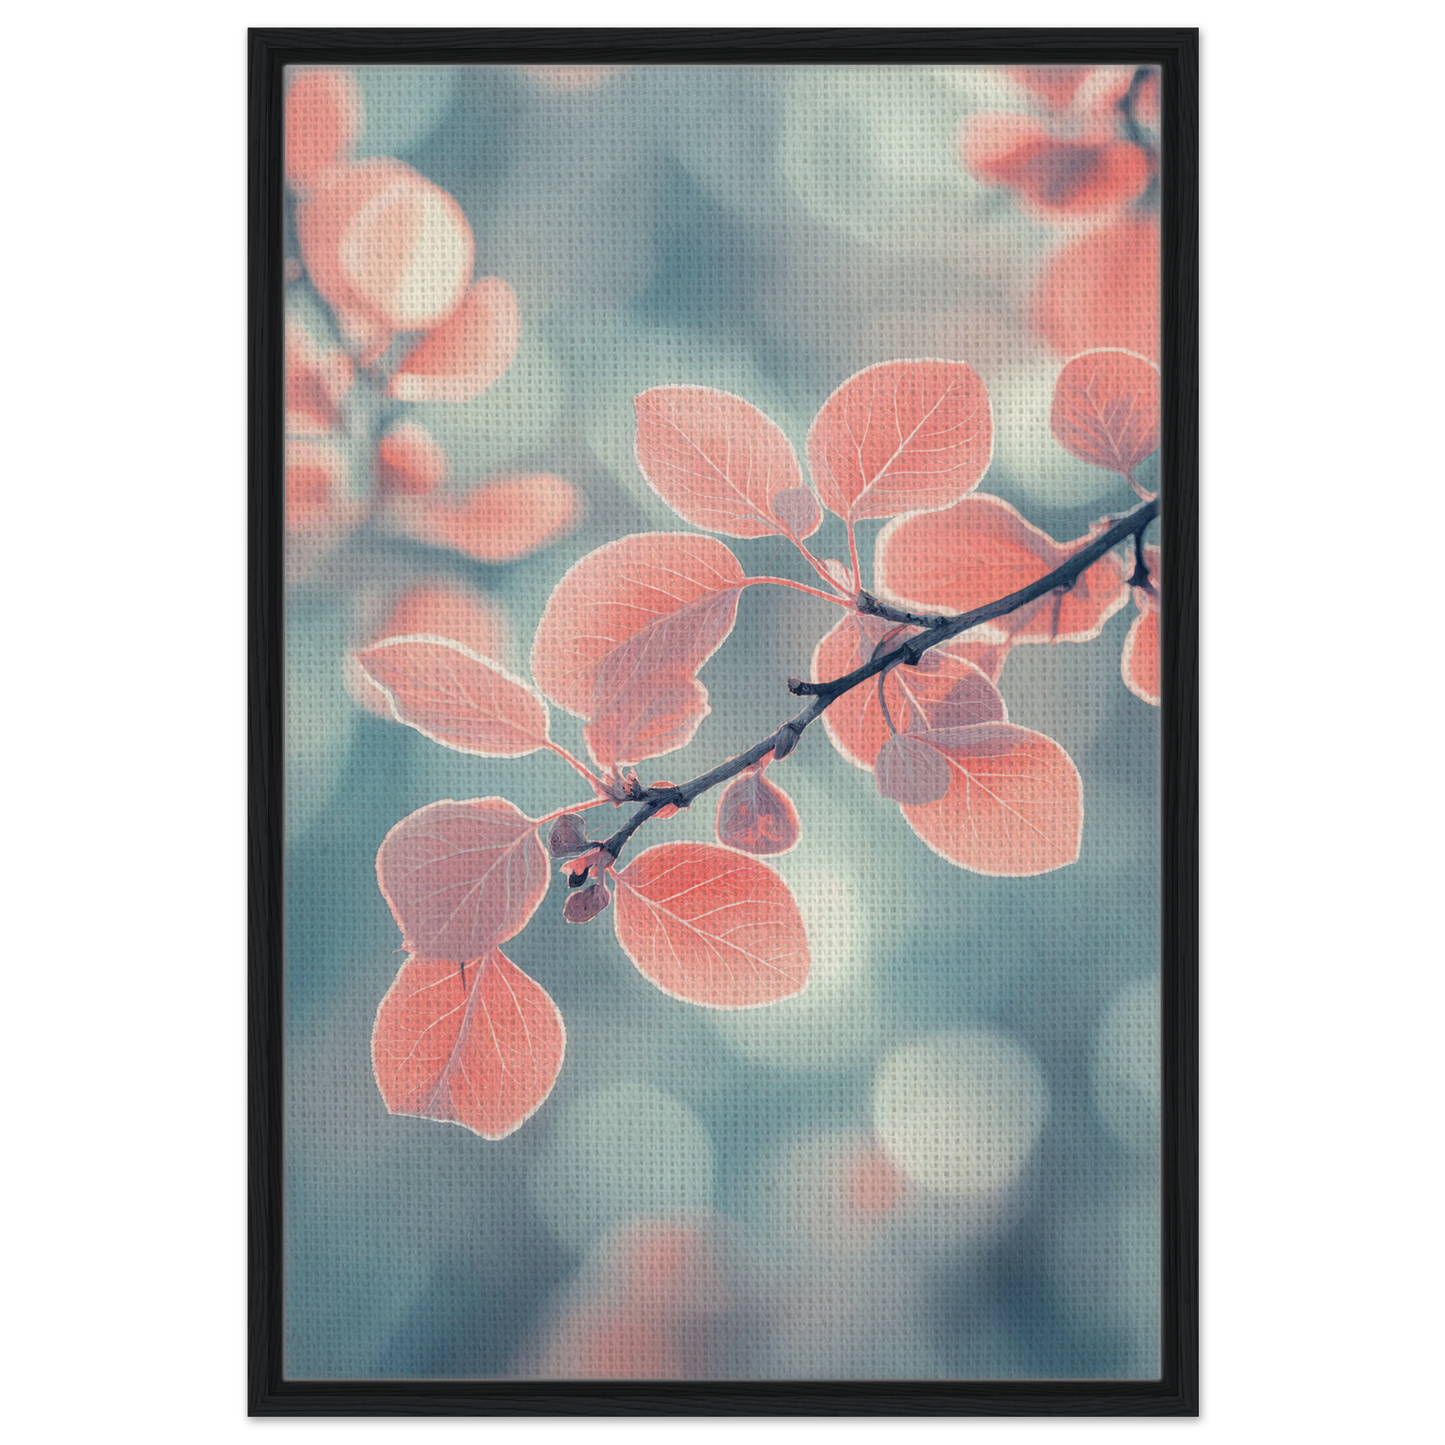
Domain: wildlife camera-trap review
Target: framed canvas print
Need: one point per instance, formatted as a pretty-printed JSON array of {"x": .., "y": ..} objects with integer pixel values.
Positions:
[{"x": 723, "y": 722}]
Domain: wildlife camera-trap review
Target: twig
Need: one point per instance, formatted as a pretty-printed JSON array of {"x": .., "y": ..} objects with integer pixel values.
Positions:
[{"x": 907, "y": 653}]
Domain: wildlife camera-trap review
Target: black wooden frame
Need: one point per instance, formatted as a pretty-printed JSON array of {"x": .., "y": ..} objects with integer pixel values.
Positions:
[{"x": 1176, "y": 1392}]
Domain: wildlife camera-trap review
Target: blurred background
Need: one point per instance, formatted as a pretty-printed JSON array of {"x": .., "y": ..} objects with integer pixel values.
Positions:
[{"x": 941, "y": 1160}]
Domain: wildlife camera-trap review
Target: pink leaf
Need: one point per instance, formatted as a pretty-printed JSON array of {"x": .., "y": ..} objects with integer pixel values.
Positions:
[
  {"x": 981, "y": 551},
  {"x": 1056, "y": 84},
  {"x": 711, "y": 926},
  {"x": 503, "y": 519},
  {"x": 909, "y": 771},
  {"x": 1140, "y": 662},
  {"x": 1014, "y": 805},
  {"x": 855, "y": 721},
  {"x": 638, "y": 719},
  {"x": 323, "y": 119},
  {"x": 1106, "y": 409},
  {"x": 451, "y": 695},
  {"x": 716, "y": 460},
  {"x": 320, "y": 513},
  {"x": 756, "y": 816},
  {"x": 973, "y": 699},
  {"x": 624, "y": 632},
  {"x": 903, "y": 436},
  {"x": 439, "y": 608},
  {"x": 483, "y": 1054},
  {"x": 468, "y": 352},
  {"x": 317, "y": 381},
  {"x": 461, "y": 878},
  {"x": 1102, "y": 290},
  {"x": 1058, "y": 177},
  {"x": 409, "y": 461}
]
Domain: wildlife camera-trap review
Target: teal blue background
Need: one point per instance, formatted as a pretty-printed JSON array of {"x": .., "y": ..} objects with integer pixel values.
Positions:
[{"x": 767, "y": 232}]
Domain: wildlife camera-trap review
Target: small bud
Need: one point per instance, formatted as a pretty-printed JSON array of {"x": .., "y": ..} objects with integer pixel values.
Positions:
[
  {"x": 787, "y": 741},
  {"x": 578, "y": 868},
  {"x": 584, "y": 906}
]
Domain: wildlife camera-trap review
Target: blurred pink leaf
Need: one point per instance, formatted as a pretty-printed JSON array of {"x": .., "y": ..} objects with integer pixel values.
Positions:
[
  {"x": 1102, "y": 290},
  {"x": 1055, "y": 84},
  {"x": 469, "y": 351},
  {"x": 387, "y": 249},
  {"x": 322, "y": 122},
  {"x": 1059, "y": 176},
  {"x": 502, "y": 519},
  {"x": 320, "y": 511},
  {"x": 409, "y": 461},
  {"x": 1106, "y": 409},
  {"x": 317, "y": 381}
]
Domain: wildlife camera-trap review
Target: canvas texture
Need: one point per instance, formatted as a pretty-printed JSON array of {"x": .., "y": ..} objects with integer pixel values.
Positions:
[{"x": 657, "y": 1006}]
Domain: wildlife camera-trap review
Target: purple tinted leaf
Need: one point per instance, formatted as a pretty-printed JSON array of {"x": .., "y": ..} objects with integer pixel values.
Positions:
[
  {"x": 586, "y": 903},
  {"x": 568, "y": 837},
  {"x": 798, "y": 510},
  {"x": 909, "y": 771},
  {"x": 972, "y": 699}
]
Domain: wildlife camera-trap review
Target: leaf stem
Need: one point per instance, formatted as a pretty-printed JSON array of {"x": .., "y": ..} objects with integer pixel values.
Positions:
[
  {"x": 883, "y": 703},
  {"x": 1141, "y": 567},
  {"x": 853, "y": 554},
  {"x": 823, "y": 572},
  {"x": 1143, "y": 493},
  {"x": 572, "y": 808},
  {"x": 836, "y": 598},
  {"x": 580, "y": 766}
]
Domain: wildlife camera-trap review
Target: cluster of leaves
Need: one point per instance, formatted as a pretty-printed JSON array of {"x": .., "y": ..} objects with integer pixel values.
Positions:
[
  {"x": 391, "y": 254},
  {"x": 464, "y": 1035},
  {"x": 1083, "y": 157}
]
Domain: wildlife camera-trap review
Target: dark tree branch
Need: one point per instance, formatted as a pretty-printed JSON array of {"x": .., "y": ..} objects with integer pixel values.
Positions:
[
  {"x": 1127, "y": 105},
  {"x": 907, "y": 653},
  {"x": 1141, "y": 567},
  {"x": 870, "y": 606}
]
